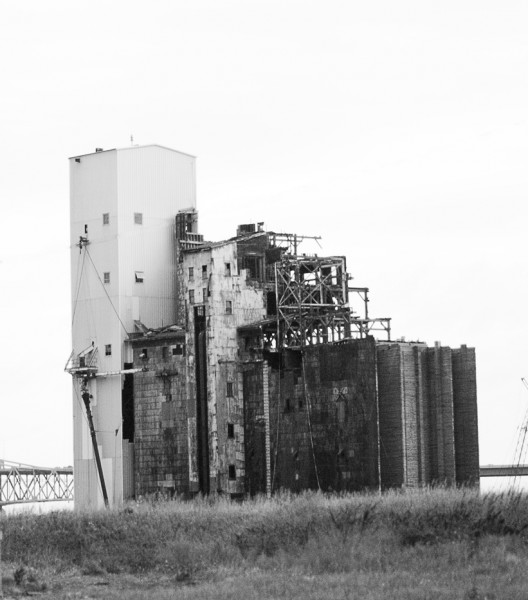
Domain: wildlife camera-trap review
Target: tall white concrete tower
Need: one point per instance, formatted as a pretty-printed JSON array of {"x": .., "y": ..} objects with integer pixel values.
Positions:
[{"x": 123, "y": 204}]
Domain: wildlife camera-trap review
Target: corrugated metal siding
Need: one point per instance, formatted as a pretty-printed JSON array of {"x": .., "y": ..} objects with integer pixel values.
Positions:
[
  {"x": 157, "y": 182},
  {"x": 87, "y": 489}
]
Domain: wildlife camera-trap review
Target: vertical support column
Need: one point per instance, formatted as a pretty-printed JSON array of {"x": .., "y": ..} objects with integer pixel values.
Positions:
[
  {"x": 403, "y": 417},
  {"x": 1, "y": 592},
  {"x": 267, "y": 433}
]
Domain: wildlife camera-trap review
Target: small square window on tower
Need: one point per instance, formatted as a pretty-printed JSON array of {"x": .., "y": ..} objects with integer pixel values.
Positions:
[
  {"x": 229, "y": 307},
  {"x": 229, "y": 389},
  {"x": 108, "y": 350},
  {"x": 138, "y": 218},
  {"x": 106, "y": 218},
  {"x": 139, "y": 276},
  {"x": 106, "y": 277}
]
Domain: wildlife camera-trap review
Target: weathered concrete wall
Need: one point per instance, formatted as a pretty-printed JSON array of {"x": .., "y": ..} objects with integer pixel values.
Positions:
[
  {"x": 465, "y": 415},
  {"x": 230, "y": 300},
  {"x": 255, "y": 429},
  {"x": 160, "y": 407},
  {"x": 322, "y": 416},
  {"x": 403, "y": 414},
  {"x": 427, "y": 414},
  {"x": 442, "y": 426}
]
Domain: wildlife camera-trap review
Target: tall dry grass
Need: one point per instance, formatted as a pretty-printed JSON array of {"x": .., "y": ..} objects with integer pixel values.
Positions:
[{"x": 313, "y": 532}]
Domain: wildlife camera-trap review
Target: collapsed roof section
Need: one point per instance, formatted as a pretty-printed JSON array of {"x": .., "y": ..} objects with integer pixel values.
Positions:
[{"x": 308, "y": 298}]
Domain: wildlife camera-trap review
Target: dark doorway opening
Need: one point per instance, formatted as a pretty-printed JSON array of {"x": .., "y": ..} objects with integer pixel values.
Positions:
[
  {"x": 127, "y": 404},
  {"x": 202, "y": 427}
]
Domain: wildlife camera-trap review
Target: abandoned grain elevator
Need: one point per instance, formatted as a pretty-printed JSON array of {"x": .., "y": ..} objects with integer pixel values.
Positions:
[{"x": 241, "y": 366}]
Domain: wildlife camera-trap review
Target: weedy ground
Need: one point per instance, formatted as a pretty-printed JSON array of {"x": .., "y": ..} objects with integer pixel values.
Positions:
[{"x": 423, "y": 544}]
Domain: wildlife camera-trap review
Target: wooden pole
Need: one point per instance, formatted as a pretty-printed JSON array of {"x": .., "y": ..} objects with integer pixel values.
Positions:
[{"x": 86, "y": 399}]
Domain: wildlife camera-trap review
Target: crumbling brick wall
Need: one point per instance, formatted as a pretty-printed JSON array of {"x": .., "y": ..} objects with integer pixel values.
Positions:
[{"x": 160, "y": 406}]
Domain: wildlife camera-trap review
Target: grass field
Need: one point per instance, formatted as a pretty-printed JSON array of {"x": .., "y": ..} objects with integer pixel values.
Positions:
[{"x": 414, "y": 545}]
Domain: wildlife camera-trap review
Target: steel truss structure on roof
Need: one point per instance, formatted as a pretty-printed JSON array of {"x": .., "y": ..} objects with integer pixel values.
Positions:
[
  {"x": 21, "y": 484},
  {"x": 312, "y": 295}
]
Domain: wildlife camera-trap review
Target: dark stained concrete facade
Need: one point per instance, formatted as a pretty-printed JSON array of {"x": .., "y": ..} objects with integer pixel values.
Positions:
[
  {"x": 322, "y": 416},
  {"x": 221, "y": 407}
]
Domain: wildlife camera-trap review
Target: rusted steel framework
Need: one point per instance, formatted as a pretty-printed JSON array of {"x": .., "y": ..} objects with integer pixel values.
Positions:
[
  {"x": 21, "y": 484},
  {"x": 289, "y": 242},
  {"x": 312, "y": 295}
]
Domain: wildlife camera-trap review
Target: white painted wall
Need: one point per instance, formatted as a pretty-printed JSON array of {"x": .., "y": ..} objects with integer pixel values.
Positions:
[{"x": 157, "y": 182}]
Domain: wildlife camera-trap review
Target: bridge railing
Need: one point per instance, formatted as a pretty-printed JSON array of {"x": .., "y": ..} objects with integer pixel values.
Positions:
[{"x": 20, "y": 484}]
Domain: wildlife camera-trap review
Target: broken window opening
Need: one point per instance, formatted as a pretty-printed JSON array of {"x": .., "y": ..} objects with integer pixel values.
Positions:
[
  {"x": 178, "y": 350},
  {"x": 106, "y": 218},
  {"x": 230, "y": 430},
  {"x": 106, "y": 277},
  {"x": 271, "y": 303},
  {"x": 232, "y": 472},
  {"x": 191, "y": 296},
  {"x": 191, "y": 272},
  {"x": 229, "y": 389},
  {"x": 127, "y": 404},
  {"x": 228, "y": 269},
  {"x": 229, "y": 307},
  {"x": 138, "y": 218},
  {"x": 139, "y": 276},
  {"x": 253, "y": 265},
  {"x": 204, "y": 271},
  {"x": 108, "y": 349}
]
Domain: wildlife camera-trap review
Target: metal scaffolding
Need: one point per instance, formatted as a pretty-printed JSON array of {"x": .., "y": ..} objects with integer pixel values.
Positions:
[{"x": 313, "y": 307}]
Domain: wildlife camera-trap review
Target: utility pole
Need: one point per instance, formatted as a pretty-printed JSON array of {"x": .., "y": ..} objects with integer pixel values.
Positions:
[{"x": 86, "y": 399}]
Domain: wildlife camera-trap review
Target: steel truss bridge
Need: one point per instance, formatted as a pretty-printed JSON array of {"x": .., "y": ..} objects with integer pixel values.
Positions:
[{"x": 25, "y": 484}]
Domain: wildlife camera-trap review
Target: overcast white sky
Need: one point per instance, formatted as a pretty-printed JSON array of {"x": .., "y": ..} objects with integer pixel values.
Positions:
[{"x": 395, "y": 130}]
